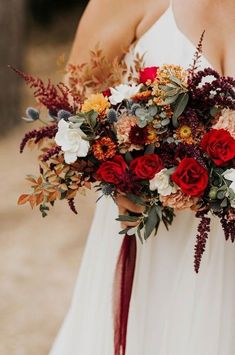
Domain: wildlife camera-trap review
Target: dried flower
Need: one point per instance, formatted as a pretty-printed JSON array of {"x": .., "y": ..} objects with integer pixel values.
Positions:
[
  {"x": 226, "y": 121},
  {"x": 123, "y": 126},
  {"x": 138, "y": 136},
  {"x": 179, "y": 201},
  {"x": 202, "y": 236},
  {"x": 96, "y": 102},
  {"x": 104, "y": 148},
  {"x": 184, "y": 134},
  {"x": 152, "y": 136}
]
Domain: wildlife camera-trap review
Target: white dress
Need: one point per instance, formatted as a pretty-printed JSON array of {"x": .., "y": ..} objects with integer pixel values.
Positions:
[{"x": 173, "y": 311}]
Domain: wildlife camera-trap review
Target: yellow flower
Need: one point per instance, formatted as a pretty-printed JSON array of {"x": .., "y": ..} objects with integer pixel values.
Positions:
[
  {"x": 104, "y": 148},
  {"x": 164, "y": 77},
  {"x": 96, "y": 102},
  {"x": 184, "y": 133},
  {"x": 151, "y": 135}
]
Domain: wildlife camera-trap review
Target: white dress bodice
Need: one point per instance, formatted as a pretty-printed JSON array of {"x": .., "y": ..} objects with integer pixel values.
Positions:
[{"x": 164, "y": 43}]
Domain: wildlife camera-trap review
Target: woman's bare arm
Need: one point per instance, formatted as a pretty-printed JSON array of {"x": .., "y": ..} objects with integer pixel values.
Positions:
[
  {"x": 114, "y": 25},
  {"x": 109, "y": 23}
]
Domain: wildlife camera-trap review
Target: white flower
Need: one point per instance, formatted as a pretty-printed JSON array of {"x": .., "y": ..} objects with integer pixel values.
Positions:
[
  {"x": 230, "y": 175},
  {"x": 122, "y": 92},
  {"x": 162, "y": 183},
  {"x": 70, "y": 138}
]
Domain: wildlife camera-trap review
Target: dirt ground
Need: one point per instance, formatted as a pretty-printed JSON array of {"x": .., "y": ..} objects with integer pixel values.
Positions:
[{"x": 39, "y": 258}]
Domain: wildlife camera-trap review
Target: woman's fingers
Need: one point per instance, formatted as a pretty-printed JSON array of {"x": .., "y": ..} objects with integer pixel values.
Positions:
[
  {"x": 130, "y": 206},
  {"x": 125, "y": 224},
  {"x": 125, "y": 206}
]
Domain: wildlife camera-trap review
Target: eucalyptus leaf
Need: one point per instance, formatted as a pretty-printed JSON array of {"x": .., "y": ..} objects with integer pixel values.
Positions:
[
  {"x": 136, "y": 199},
  {"x": 180, "y": 106},
  {"x": 165, "y": 122},
  {"x": 159, "y": 212},
  {"x": 127, "y": 218},
  {"x": 224, "y": 203},
  {"x": 176, "y": 80},
  {"x": 173, "y": 92},
  {"x": 123, "y": 231},
  {"x": 153, "y": 110},
  {"x": 132, "y": 231},
  {"x": 142, "y": 123},
  {"x": 139, "y": 235},
  {"x": 170, "y": 86},
  {"x": 76, "y": 119},
  {"x": 140, "y": 112},
  {"x": 170, "y": 100},
  {"x": 93, "y": 115},
  {"x": 214, "y": 111},
  {"x": 221, "y": 195},
  {"x": 151, "y": 221},
  {"x": 231, "y": 194},
  {"x": 150, "y": 149},
  {"x": 128, "y": 157}
]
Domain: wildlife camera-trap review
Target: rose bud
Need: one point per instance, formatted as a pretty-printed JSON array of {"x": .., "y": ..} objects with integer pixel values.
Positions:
[{"x": 148, "y": 74}]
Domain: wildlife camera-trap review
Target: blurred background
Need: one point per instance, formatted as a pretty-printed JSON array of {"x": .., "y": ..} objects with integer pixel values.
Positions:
[{"x": 39, "y": 258}]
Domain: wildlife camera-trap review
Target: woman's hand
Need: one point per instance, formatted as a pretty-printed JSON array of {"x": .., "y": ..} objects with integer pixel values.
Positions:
[{"x": 125, "y": 206}]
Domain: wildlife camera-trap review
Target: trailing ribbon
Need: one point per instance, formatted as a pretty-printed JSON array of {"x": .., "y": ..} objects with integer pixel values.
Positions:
[{"x": 123, "y": 282}]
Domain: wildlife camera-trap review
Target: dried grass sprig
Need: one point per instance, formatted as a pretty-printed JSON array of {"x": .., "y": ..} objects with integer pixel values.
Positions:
[
  {"x": 53, "y": 97},
  {"x": 38, "y": 134},
  {"x": 202, "y": 236}
]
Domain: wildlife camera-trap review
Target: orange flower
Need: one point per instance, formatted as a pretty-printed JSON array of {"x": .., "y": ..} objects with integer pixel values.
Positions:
[
  {"x": 96, "y": 102},
  {"x": 104, "y": 148},
  {"x": 151, "y": 135},
  {"x": 184, "y": 134},
  {"x": 144, "y": 95}
]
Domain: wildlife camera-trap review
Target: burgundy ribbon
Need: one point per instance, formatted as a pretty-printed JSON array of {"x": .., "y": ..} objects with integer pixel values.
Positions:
[{"x": 123, "y": 282}]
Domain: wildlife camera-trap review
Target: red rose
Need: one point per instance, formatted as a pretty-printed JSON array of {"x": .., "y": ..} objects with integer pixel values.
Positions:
[
  {"x": 219, "y": 145},
  {"x": 146, "y": 166},
  {"x": 107, "y": 92},
  {"x": 112, "y": 171},
  {"x": 191, "y": 177},
  {"x": 148, "y": 73}
]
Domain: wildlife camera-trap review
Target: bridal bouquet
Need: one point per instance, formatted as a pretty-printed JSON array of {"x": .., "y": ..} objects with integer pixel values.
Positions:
[{"x": 165, "y": 139}]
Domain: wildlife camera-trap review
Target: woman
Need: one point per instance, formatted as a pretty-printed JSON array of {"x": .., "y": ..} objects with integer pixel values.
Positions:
[{"x": 173, "y": 311}]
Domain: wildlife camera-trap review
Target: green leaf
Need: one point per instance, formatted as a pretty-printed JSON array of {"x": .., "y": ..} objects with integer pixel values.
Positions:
[
  {"x": 132, "y": 231},
  {"x": 93, "y": 118},
  {"x": 231, "y": 194},
  {"x": 153, "y": 110},
  {"x": 180, "y": 106},
  {"x": 151, "y": 222},
  {"x": 165, "y": 122},
  {"x": 136, "y": 199},
  {"x": 124, "y": 231},
  {"x": 139, "y": 234},
  {"x": 127, "y": 218},
  {"x": 128, "y": 157},
  {"x": 176, "y": 80},
  {"x": 140, "y": 112},
  {"x": 221, "y": 195},
  {"x": 170, "y": 100},
  {"x": 173, "y": 92},
  {"x": 159, "y": 212},
  {"x": 149, "y": 149},
  {"x": 224, "y": 203}
]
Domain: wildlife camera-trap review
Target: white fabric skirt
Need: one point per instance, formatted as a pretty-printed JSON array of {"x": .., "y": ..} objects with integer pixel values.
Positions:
[{"x": 173, "y": 310}]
